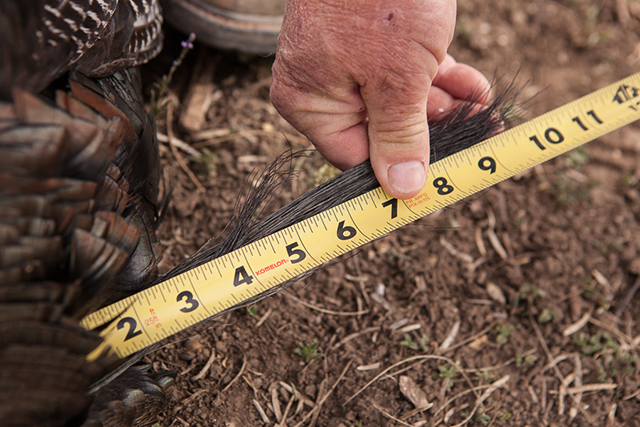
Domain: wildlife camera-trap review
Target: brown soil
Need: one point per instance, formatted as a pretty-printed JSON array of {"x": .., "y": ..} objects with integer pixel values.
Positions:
[{"x": 476, "y": 294}]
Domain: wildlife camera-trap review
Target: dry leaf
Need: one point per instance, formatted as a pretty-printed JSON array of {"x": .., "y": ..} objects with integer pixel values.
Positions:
[{"x": 411, "y": 391}]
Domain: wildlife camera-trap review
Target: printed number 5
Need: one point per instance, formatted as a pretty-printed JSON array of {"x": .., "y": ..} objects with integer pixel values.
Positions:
[{"x": 299, "y": 253}]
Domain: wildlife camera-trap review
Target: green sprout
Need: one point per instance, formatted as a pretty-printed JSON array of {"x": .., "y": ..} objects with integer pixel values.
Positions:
[
  {"x": 308, "y": 352},
  {"x": 422, "y": 345},
  {"x": 502, "y": 333}
]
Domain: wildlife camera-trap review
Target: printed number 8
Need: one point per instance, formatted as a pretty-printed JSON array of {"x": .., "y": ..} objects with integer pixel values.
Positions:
[{"x": 443, "y": 186}]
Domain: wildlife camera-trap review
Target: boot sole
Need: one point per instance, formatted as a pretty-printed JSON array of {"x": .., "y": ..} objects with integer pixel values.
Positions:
[{"x": 222, "y": 28}]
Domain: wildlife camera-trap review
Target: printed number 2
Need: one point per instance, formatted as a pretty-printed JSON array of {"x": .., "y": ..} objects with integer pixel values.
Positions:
[{"x": 132, "y": 327}]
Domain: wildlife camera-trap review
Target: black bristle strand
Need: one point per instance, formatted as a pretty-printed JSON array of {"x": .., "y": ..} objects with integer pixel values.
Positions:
[{"x": 450, "y": 132}]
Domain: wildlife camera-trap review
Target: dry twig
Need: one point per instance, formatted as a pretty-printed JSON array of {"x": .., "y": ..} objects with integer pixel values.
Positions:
[
  {"x": 177, "y": 155},
  {"x": 319, "y": 404}
]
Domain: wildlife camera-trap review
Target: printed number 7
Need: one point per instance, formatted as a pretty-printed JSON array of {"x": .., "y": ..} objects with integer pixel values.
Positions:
[{"x": 394, "y": 207}]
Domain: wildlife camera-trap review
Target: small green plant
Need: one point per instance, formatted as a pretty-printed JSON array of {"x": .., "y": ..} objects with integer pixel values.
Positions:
[
  {"x": 525, "y": 300},
  {"x": 576, "y": 158},
  {"x": 505, "y": 416},
  {"x": 592, "y": 344},
  {"x": 447, "y": 370},
  {"x": 252, "y": 310},
  {"x": 159, "y": 89},
  {"x": 422, "y": 345},
  {"x": 483, "y": 418},
  {"x": 567, "y": 190},
  {"x": 530, "y": 293},
  {"x": 547, "y": 315},
  {"x": 524, "y": 363},
  {"x": 631, "y": 362},
  {"x": 207, "y": 164},
  {"x": 308, "y": 352},
  {"x": 502, "y": 333},
  {"x": 485, "y": 376},
  {"x": 323, "y": 174}
]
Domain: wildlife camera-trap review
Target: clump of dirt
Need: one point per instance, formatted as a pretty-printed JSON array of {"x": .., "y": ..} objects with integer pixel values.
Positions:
[{"x": 517, "y": 306}]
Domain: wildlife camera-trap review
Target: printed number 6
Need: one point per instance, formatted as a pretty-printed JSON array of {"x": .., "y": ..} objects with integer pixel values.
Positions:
[{"x": 345, "y": 232}]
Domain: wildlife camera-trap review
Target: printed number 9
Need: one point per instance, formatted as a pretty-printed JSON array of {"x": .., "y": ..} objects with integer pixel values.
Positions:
[{"x": 487, "y": 164}]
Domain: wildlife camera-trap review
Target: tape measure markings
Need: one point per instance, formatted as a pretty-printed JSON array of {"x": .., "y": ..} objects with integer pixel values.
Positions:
[{"x": 303, "y": 246}]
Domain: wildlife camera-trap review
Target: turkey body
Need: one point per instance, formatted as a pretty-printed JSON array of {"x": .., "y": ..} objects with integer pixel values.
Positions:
[
  {"x": 40, "y": 40},
  {"x": 79, "y": 174},
  {"x": 78, "y": 210}
]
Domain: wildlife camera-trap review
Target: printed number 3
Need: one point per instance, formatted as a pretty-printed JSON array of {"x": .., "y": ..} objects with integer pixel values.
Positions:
[{"x": 193, "y": 303}]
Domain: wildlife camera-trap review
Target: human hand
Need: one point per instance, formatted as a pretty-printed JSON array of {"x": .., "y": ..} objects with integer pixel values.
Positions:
[{"x": 354, "y": 77}]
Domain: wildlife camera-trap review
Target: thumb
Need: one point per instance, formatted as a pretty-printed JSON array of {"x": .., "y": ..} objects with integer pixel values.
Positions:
[{"x": 399, "y": 138}]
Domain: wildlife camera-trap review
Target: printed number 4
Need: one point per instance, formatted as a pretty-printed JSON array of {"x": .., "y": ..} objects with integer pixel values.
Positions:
[{"x": 241, "y": 276}]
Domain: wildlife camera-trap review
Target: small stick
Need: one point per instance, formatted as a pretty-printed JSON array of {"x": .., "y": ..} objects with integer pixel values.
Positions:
[
  {"x": 207, "y": 366},
  {"x": 275, "y": 401},
  {"x": 627, "y": 298},
  {"x": 244, "y": 363},
  {"x": 177, "y": 155},
  {"x": 391, "y": 417},
  {"x": 263, "y": 318},
  {"x": 179, "y": 144},
  {"x": 286, "y": 411},
  {"x": 410, "y": 359},
  {"x": 319, "y": 404},
  {"x": 324, "y": 310},
  {"x": 555, "y": 367},
  {"x": 485, "y": 395},
  {"x": 264, "y": 417}
]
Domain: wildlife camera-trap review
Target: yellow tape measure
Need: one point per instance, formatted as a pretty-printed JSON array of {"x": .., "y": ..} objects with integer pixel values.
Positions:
[{"x": 198, "y": 294}]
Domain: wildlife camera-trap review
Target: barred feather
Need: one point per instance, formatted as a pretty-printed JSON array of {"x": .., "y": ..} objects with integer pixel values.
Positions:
[{"x": 42, "y": 39}]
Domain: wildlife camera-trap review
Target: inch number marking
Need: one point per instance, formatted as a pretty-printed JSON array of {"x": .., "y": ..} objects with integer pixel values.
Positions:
[
  {"x": 292, "y": 251},
  {"x": 443, "y": 186},
  {"x": 487, "y": 164},
  {"x": 193, "y": 303},
  {"x": 345, "y": 232},
  {"x": 552, "y": 135},
  {"x": 584, "y": 127},
  {"x": 241, "y": 276},
  {"x": 394, "y": 207},
  {"x": 132, "y": 327}
]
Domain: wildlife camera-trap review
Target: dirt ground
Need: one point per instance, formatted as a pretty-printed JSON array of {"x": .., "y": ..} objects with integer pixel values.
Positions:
[{"x": 517, "y": 307}]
